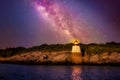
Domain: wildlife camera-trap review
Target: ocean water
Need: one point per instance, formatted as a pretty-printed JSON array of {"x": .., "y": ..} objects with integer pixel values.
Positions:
[{"x": 44, "y": 72}]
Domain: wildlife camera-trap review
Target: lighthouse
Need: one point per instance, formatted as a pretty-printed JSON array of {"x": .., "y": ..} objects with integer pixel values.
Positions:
[
  {"x": 76, "y": 52},
  {"x": 76, "y": 47}
]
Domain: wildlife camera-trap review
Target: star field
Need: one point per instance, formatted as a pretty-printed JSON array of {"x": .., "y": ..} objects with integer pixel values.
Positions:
[{"x": 33, "y": 22}]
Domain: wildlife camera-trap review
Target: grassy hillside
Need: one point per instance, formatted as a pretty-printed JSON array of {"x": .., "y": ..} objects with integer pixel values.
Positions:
[{"x": 89, "y": 49}]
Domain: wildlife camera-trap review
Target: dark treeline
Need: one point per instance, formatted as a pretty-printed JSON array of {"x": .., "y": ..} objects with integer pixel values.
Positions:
[{"x": 85, "y": 48}]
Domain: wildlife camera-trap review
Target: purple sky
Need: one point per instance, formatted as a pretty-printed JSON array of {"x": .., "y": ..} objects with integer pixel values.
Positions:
[{"x": 33, "y": 22}]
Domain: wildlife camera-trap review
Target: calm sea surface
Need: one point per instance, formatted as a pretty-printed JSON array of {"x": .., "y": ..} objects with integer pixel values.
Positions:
[{"x": 39, "y": 72}]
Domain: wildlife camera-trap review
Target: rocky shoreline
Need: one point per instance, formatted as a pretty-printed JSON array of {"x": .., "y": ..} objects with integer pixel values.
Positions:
[{"x": 63, "y": 57}]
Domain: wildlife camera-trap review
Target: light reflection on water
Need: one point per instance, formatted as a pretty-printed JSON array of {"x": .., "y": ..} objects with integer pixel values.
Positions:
[
  {"x": 40, "y": 72},
  {"x": 76, "y": 73}
]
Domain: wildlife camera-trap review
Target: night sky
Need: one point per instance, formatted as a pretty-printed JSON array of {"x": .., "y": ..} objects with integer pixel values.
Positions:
[{"x": 33, "y": 22}]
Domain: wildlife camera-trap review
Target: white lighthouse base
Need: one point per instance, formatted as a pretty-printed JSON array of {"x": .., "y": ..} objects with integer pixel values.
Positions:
[
  {"x": 76, "y": 54},
  {"x": 76, "y": 49}
]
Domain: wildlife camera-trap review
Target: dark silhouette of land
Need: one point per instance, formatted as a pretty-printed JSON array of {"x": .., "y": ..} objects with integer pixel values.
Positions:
[{"x": 108, "y": 53}]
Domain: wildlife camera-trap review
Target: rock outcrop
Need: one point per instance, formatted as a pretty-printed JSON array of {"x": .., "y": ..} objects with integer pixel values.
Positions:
[{"x": 62, "y": 57}]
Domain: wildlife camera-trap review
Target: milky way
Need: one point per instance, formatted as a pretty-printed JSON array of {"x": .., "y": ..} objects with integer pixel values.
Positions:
[
  {"x": 34, "y": 22},
  {"x": 59, "y": 17}
]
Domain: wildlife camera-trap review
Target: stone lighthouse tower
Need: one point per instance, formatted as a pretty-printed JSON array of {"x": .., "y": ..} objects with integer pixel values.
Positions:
[{"x": 76, "y": 55}]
